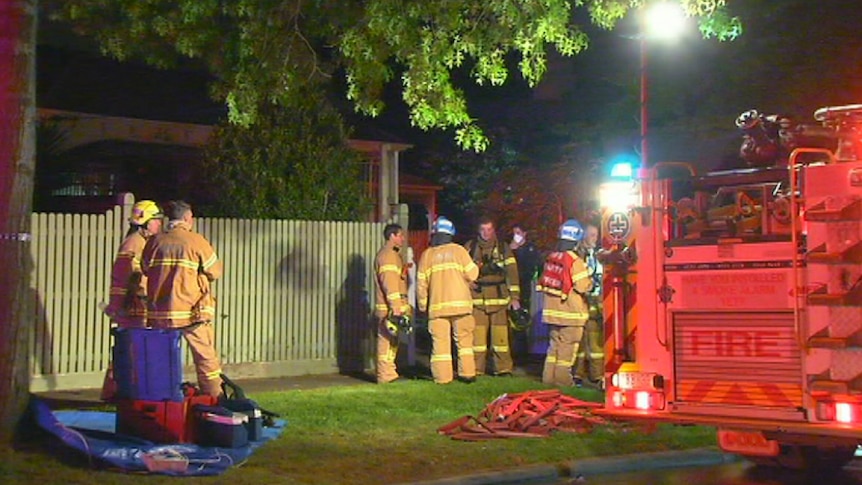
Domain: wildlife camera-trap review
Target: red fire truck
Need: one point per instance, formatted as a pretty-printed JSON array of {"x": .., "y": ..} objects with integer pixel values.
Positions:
[{"x": 734, "y": 300}]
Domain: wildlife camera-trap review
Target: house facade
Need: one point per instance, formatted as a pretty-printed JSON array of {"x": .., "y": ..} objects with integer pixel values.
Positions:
[{"x": 105, "y": 156}]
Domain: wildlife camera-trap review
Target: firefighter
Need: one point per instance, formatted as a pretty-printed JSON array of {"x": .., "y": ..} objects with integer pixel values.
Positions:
[
  {"x": 444, "y": 277},
  {"x": 565, "y": 281},
  {"x": 496, "y": 290},
  {"x": 391, "y": 303},
  {"x": 589, "y": 365},
  {"x": 127, "y": 303},
  {"x": 180, "y": 266}
]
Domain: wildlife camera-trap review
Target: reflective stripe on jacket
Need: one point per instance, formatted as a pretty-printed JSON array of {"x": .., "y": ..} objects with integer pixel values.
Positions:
[
  {"x": 127, "y": 302},
  {"x": 443, "y": 281},
  {"x": 391, "y": 281},
  {"x": 495, "y": 287},
  {"x": 180, "y": 264},
  {"x": 570, "y": 309}
]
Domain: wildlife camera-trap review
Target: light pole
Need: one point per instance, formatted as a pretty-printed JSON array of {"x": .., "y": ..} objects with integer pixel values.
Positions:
[
  {"x": 644, "y": 102},
  {"x": 663, "y": 20}
]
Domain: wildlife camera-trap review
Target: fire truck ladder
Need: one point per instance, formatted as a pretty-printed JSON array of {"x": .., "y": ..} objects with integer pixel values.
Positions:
[{"x": 834, "y": 299}]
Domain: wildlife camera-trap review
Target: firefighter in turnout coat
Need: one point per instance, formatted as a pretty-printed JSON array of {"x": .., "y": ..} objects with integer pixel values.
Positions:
[
  {"x": 493, "y": 293},
  {"x": 391, "y": 300},
  {"x": 180, "y": 265},
  {"x": 127, "y": 304},
  {"x": 565, "y": 281},
  {"x": 443, "y": 290},
  {"x": 590, "y": 359}
]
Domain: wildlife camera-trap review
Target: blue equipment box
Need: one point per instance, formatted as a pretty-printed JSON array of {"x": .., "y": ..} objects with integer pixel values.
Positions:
[
  {"x": 217, "y": 426},
  {"x": 148, "y": 364},
  {"x": 249, "y": 408}
]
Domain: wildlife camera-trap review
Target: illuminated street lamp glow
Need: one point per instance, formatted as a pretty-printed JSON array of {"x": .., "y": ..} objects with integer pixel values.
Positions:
[{"x": 665, "y": 21}]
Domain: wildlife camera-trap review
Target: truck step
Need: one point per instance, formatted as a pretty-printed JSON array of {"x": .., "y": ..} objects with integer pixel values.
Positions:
[
  {"x": 819, "y": 213},
  {"x": 827, "y": 299},
  {"x": 827, "y": 343},
  {"x": 832, "y": 387},
  {"x": 852, "y": 254},
  {"x": 853, "y": 297}
]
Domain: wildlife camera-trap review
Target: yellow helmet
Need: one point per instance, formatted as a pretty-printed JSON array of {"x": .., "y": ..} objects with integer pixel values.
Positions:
[{"x": 143, "y": 211}]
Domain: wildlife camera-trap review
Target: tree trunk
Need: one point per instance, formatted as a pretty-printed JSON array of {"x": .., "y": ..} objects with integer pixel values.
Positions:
[{"x": 17, "y": 161}]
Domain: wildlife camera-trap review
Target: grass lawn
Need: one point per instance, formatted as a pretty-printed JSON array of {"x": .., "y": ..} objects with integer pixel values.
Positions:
[{"x": 376, "y": 435}]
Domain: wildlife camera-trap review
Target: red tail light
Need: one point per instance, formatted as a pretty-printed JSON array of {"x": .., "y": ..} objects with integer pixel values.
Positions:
[{"x": 641, "y": 400}]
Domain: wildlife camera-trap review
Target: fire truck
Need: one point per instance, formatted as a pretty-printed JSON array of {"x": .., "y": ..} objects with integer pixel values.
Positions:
[{"x": 733, "y": 299}]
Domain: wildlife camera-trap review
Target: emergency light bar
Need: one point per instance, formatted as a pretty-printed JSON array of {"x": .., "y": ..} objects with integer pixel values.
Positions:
[
  {"x": 618, "y": 196},
  {"x": 620, "y": 192},
  {"x": 622, "y": 170}
]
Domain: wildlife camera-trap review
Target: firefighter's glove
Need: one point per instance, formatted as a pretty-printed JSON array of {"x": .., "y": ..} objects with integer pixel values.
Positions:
[
  {"x": 391, "y": 328},
  {"x": 519, "y": 320},
  {"x": 396, "y": 324}
]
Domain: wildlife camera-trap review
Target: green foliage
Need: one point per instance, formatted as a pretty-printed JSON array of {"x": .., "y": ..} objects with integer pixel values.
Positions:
[
  {"x": 430, "y": 40},
  {"x": 294, "y": 163},
  {"x": 260, "y": 51},
  {"x": 264, "y": 51},
  {"x": 367, "y": 433},
  {"x": 721, "y": 25}
]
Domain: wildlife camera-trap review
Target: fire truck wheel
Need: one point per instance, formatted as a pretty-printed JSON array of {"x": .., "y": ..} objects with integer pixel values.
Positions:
[{"x": 799, "y": 457}]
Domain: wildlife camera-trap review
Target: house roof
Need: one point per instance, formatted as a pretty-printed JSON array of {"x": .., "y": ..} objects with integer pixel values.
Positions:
[
  {"x": 374, "y": 146},
  {"x": 413, "y": 184},
  {"x": 407, "y": 180},
  {"x": 88, "y": 128}
]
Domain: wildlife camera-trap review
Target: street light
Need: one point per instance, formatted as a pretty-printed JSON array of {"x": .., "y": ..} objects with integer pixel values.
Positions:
[{"x": 664, "y": 21}]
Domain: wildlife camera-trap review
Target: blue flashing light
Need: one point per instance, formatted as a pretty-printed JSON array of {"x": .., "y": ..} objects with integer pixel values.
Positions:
[{"x": 622, "y": 170}]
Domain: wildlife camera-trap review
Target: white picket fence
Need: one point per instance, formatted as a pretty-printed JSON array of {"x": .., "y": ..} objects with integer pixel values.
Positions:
[{"x": 293, "y": 300}]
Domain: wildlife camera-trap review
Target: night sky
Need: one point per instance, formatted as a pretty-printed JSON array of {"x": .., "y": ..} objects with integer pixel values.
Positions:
[{"x": 795, "y": 56}]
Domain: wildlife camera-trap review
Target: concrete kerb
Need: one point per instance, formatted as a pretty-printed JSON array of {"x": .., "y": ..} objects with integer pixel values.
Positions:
[{"x": 592, "y": 466}]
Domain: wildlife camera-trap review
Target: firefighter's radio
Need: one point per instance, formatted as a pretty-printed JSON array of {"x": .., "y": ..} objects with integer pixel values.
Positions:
[{"x": 491, "y": 266}]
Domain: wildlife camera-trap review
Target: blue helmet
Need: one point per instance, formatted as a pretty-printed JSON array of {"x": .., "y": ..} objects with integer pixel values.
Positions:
[
  {"x": 572, "y": 230},
  {"x": 443, "y": 226}
]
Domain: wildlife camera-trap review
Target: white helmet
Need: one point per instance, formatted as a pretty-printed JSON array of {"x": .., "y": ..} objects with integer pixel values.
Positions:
[
  {"x": 443, "y": 226},
  {"x": 572, "y": 230}
]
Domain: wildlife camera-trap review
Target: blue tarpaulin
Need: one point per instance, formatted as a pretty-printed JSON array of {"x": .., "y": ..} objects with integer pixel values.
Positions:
[{"x": 93, "y": 433}]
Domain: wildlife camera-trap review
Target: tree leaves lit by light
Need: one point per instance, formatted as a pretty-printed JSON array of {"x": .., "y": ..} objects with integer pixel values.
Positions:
[
  {"x": 720, "y": 25},
  {"x": 260, "y": 51}
]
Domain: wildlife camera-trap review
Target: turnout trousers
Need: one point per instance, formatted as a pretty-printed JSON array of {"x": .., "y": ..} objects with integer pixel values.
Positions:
[
  {"x": 562, "y": 345},
  {"x": 200, "y": 338},
  {"x": 590, "y": 361},
  {"x": 443, "y": 329},
  {"x": 387, "y": 351},
  {"x": 497, "y": 322}
]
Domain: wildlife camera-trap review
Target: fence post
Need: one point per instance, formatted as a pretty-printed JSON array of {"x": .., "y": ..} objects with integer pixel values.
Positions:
[
  {"x": 126, "y": 200},
  {"x": 402, "y": 216}
]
